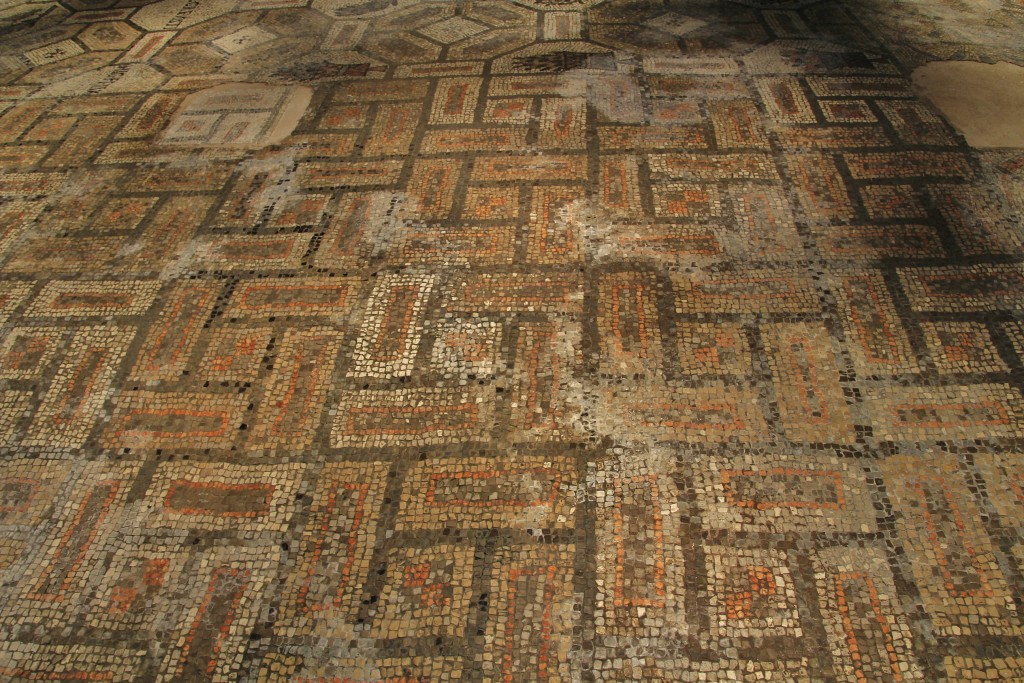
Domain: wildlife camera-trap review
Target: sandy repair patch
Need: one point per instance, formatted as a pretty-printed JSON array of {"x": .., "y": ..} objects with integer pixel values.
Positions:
[{"x": 984, "y": 101}]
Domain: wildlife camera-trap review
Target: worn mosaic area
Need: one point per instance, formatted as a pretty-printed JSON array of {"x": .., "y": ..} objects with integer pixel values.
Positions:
[{"x": 555, "y": 340}]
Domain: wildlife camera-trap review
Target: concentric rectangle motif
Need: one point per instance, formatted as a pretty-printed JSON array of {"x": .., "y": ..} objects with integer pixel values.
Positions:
[
  {"x": 529, "y": 630},
  {"x": 325, "y": 589},
  {"x": 954, "y": 564},
  {"x": 410, "y": 417},
  {"x": 225, "y": 593},
  {"x": 641, "y": 577},
  {"x": 489, "y": 493},
  {"x": 219, "y": 496},
  {"x": 85, "y": 518},
  {"x": 868, "y": 633},
  {"x": 175, "y": 420},
  {"x": 74, "y": 404},
  {"x": 784, "y": 493},
  {"x": 685, "y": 415},
  {"x": 297, "y": 387}
]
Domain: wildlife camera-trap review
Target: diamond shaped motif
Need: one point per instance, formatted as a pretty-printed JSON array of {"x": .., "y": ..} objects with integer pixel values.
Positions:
[
  {"x": 676, "y": 24},
  {"x": 241, "y": 39},
  {"x": 452, "y": 30}
]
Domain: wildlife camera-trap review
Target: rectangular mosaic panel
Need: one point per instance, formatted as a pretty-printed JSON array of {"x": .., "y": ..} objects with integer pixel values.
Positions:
[
  {"x": 876, "y": 337},
  {"x": 784, "y": 493},
  {"x": 219, "y": 496},
  {"x": 84, "y": 518},
  {"x": 529, "y": 630},
  {"x": 96, "y": 299},
  {"x": 808, "y": 392},
  {"x": 389, "y": 336},
  {"x": 555, "y": 231},
  {"x": 974, "y": 411},
  {"x": 170, "y": 341},
  {"x": 290, "y": 411},
  {"x": 482, "y": 493},
  {"x": 867, "y": 630},
  {"x": 628, "y": 323},
  {"x": 964, "y": 288},
  {"x": 225, "y": 592},
  {"x": 746, "y": 291},
  {"x": 325, "y": 588},
  {"x": 641, "y": 589},
  {"x": 263, "y": 299},
  {"x": 518, "y": 293},
  {"x": 544, "y": 404},
  {"x": 410, "y": 417},
  {"x": 688, "y": 415},
  {"x": 455, "y": 100},
  {"x": 248, "y": 253},
  {"x": 75, "y": 401},
  {"x": 175, "y": 420},
  {"x": 953, "y": 562}
]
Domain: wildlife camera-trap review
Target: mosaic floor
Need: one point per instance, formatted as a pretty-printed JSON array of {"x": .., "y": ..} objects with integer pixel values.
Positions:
[{"x": 549, "y": 340}]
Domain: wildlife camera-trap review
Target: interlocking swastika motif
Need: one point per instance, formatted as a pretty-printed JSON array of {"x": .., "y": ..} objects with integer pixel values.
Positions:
[{"x": 394, "y": 341}]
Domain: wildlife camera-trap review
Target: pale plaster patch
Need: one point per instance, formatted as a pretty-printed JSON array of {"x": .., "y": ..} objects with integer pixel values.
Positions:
[{"x": 985, "y": 102}]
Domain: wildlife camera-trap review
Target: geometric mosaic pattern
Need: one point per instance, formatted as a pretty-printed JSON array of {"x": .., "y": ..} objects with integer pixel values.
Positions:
[{"x": 539, "y": 340}]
